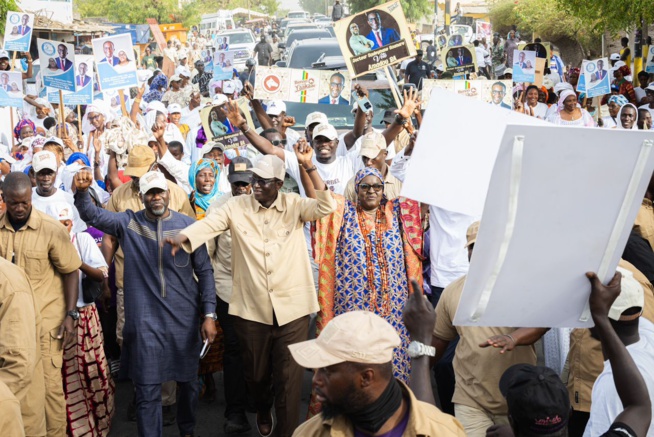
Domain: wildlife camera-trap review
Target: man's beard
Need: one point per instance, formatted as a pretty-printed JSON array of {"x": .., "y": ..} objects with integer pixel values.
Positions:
[
  {"x": 354, "y": 400},
  {"x": 158, "y": 212}
]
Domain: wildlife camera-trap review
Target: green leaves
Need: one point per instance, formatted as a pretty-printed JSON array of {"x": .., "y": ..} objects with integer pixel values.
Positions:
[
  {"x": 6, "y": 6},
  {"x": 613, "y": 15}
]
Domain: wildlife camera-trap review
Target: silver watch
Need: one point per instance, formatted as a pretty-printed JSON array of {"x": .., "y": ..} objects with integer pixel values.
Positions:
[
  {"x": 417, "y": 350},
  {"x": 214, "y": 316}
]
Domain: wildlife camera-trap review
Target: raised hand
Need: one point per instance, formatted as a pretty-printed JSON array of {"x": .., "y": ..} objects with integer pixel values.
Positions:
[
  {"x": 304, "y": 153},
  {"x": 233, "y": 113},
  {"x": 83, "y": 180}
]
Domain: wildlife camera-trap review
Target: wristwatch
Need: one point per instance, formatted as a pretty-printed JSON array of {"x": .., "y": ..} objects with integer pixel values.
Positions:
[
  {"x": 74, "y": 314},
  {"x": 417, "y": 350},
  {"x": 214, "y": 316}
]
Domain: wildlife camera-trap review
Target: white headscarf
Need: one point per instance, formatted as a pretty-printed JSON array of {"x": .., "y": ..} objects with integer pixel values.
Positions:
[
  {"x": 98, "y": 106},
  {"x": 619, "y": 117}
]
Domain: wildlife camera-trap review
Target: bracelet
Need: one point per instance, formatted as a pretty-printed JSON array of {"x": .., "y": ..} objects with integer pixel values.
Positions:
[
  {"x": 137, "y": 100},
  {"x": 309, "y": 170},
  {"x": 400, "y": 120},
  {"x": 247, "y": 130},
  {"x": 512, "y": 339}
]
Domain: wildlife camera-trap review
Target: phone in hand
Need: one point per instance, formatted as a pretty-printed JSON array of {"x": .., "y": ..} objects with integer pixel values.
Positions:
[{"x": 362, "y": 101}]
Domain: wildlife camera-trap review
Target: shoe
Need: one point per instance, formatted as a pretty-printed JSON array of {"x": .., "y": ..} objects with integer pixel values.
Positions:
[
  {"x": 265, "y": 423},
  {"x": 169, "y": 415},
  {"x": 237, "y": 424},
  {"x": 131, "y": 411}
]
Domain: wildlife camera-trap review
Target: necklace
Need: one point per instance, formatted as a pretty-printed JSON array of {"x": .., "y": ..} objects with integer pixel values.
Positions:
[{"x": 385, "y": 309}]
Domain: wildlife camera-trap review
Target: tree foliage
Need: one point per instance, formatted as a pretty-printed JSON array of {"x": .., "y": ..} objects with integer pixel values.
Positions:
[
  {"x": 314, "y": 6},
  {"x": 413, "y": 9},
  {"x": 6, "y": 6},
  {"x": 610, "y": 15},
  {"x": 130, "y": 11}
]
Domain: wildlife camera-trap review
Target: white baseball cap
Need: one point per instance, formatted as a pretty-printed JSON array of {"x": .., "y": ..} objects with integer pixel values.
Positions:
[
  {"x": 151, "y": 180},
  {"x": 650, "y": 87},
  {"x": 175, "y": 78},
  {"x": 182, "y": 71},
  {"x": 229, "y": 87},
  {"x": 209, "y": 146},
  {"x": 325, "y": 130},
  {"x": 615, "y": 56},
  {"x": 174, "y": 108},
  {"x": 316, "y": 117},
  {"x": 631, "y": 296},
  {"x": 619, "y": 64},
  {"x": 44, "y": 160},
  {"x": 275, "y": 107},
  {"x": 4, "y": 54},
  {"x": 156, "y": 105},
  {"x": 220, "y": 99}
]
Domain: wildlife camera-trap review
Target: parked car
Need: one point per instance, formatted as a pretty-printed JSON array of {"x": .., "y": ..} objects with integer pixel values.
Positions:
[
  {"x": 299, "y": 14},
  {"x": 302, "y": 34},
  {"x": 242, "y": 41},
  {"x": 297, "y": 25},
  {"x": 303, "y": 54}
]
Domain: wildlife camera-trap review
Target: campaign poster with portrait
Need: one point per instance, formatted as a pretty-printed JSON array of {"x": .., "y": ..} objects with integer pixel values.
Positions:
[
  {"x": 114, "y": 59},
  {"x": 223, "y": 65},
  {"x": 649, "y": 63},
  {"x": 303, "y": 86},
  {"x": 83, "y": 81},
  {"x": 455, "y": 40},
  {"x": 18, "y": 31},
  {"x": 524, "y": 66},
  {"x": 218, "y": 128},
  {"x": 542, "y": 49},
  {"x": 375, "y": 38},
  {"x": 57, "y": 60},
  {"x": 484, "y": 30},
  {"x": 496, "y": 92},
  {"x": 222, "y": 43},
  {"x": 441, "y": 41},
  {"x": 597, "y": 77},
  {"x": 11, "y": 89},
  {"x": 460, "y": 59}
]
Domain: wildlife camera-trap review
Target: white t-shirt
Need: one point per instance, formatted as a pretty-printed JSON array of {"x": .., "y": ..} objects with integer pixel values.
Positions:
[
  {"x": 342, "y": 149},
  {"x": 60, "y": 196},
  {"x": 606, "y": 404},
  {"x": 90, "y": 254},
  {"x": 191, "y": 118},
  {"x": 335, "y": 175}
]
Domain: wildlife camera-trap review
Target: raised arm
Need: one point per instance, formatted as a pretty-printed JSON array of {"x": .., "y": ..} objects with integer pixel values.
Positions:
[
  {"x": 195, "y": 235},
  {"x": 260, "y": 143},
  {"x": 629, "y": 382},
  {"x": 106, "y": 221},
  {"x": 403, "y": 116},
  {"x": 311, "y": 180},
  {"x": 359, "y": 120},
  {"x": 133, "y": 114},
  {"x": 112, "y": 171},
  {"x": 257, "y": 107}
]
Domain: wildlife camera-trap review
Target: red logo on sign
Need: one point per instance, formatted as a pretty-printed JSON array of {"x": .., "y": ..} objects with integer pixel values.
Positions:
[{"x": 271, "y": 83}]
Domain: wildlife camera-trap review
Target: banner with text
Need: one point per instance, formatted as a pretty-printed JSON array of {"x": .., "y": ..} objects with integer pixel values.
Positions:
[{"x": 303, "y": 86}]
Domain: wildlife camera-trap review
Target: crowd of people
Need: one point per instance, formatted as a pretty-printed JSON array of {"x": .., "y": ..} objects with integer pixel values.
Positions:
[{"x": 132, "y": 246}]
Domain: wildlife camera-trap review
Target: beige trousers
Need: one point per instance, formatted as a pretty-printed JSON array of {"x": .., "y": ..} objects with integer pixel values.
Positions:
[{"x": 476, "y": 421}]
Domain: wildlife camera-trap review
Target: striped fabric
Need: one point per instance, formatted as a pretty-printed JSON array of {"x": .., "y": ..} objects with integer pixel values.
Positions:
[{"x": 88, "y": 385}]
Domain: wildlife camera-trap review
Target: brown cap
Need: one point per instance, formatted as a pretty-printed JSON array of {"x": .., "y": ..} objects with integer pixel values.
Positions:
[
  {"x": 270, "y": 167},
  {"x": 355, "y": 336},
  {"x": 139, "y": 161},
  {"x": 373, "y": 143},
  {"x": 471, "y": 234}
]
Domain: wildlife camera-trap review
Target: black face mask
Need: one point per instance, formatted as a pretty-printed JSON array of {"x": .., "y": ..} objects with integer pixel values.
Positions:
[{"x": 373, "y": 416}]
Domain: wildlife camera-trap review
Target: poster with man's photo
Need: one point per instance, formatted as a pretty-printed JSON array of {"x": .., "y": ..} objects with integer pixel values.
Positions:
[
  {"x": 649, "y": 64},
  {"x": 83, "y": 82},
  {"x": 496, "y": 92},
  {"x": 597, "y": 77},
  {"x": 11, "y": 89},
  {"x": 303, "y": 86},
  {"x": 18, "y": 31},
  {"x": 218, "y": 128},
  {"x": 375, "y": 38},
  {"x": 115, "y": 61},
  {"x": 524, "y": 66},
  {"x": 223, "y": 65},
  {"x": 460, "y": 59},
  {"x": 57, "y": 60},
  {"x": 484, "y": 30},
  {"x": 542, "y": 49}
]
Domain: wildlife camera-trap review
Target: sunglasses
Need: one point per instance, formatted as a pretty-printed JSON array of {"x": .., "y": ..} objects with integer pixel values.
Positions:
[
  {"x": 375, "y": 187},
  {"x": 261, "y": 182},
  {"x": 277, "y": 143}
]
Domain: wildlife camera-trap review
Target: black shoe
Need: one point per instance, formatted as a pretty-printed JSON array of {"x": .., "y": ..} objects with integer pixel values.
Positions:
[
  {"x": 265, "y": 423},
  {"x": 169, "y": 415},
  {"x": 131, "y": 411},
  {"x": 237, "y": 424}
]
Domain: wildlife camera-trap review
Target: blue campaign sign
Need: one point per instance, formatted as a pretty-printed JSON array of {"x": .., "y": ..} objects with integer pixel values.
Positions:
[
  {"x": 597, "y": 77},
  {"x": 524, "y": 66},
  {"x": 18, "y": 31},
  {"x": 115, "y": 61},
  {"x": 57, "y": 61},
  {"x": 84, "y": 82},
  {"x": 11, "y": 89}
]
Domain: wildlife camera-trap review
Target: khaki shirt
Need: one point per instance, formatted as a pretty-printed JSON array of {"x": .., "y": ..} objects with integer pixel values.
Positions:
[
  {"x": 42, "y": 248},
  {"x": 586, "y": 360},
  {"x": 125, "y": 197},
  {"x": 401, "y": 140},
  {"x": 392, "y": 188},
  {"x": 220, "y": 252},
  {"x": 477, "y": 370},
  {"x": 11, "y": 422},
  {"x": 270, "y": 264},
  {"x": 424, "y": 420},
  {"x": 20, "y": 331},
  {"x": 644, "y": 224}
]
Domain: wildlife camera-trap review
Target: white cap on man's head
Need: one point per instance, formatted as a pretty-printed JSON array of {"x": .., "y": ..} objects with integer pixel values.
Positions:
[
  {"x": 275, "y": 107},
  {"x": 220, "y": 99},
  {"x": 174, "y": 108},
  {"x": 325, "y": 130},
  {"x": 4, "y": 54},
  {"x": 316, "y": 117},
  {"x": 355, "y": 336},
  {"x": 270, "y": 167},
  {"x": 209, "y": 146},
  {"x": 55, "y": 140},
  {"x": 152, "y": 180},
  {"x": 156, "y": 105},
  {"x": 44, "y": 160},
  {"x": 372, "y": 145},
  {"x": 615, "y": 56},
  {"x": 631, "y": 296},
  {"x": 229, "y": 87}
]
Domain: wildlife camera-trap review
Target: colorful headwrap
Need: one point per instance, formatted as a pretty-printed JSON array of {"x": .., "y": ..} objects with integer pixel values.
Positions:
[
  {"x": 625, "y": 70},
  {"x": 368, "y": 171},
  {"x": 618, "y": 99},
  {"x": 155, "y": 93},
  {"x": 76, "y": 156},
  {"x": 24, "y": 122},
  {"x": 204, "y": 200}
]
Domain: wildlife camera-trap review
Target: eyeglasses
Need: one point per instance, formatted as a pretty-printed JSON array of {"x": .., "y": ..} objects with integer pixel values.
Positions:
[
  {"x": 241, "y": 184},
  {"x": 336, "y": 84},
  {"x": 375, "y": 187},
  {"x": 261, "y": 182},
  {"x": 277, "y": 143}
]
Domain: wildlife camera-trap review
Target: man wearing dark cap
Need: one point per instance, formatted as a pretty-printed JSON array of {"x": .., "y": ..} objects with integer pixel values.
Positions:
[
  {"x": 220, "y": 252},
  {"x": 273, "y": 288},
  {"x": 417, "y": 70}
]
